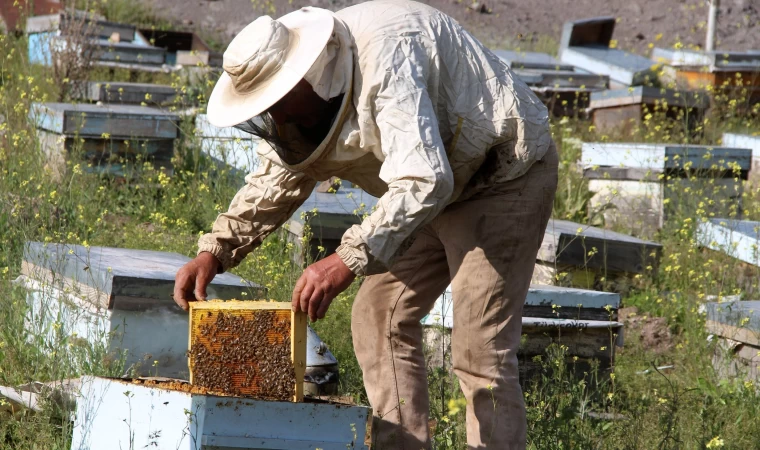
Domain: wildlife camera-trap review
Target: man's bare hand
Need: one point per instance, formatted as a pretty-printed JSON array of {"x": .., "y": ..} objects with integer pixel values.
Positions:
[
  {"x": 192, "y": 279},
  {"x": 320, "y": 283}
]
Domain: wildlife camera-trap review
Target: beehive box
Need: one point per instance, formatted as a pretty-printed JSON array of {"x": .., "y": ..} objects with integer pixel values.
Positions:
[
  {"x": 112, "y": 138},
  {"x": 165, "y": 414},
  {"x": 725, "y": 71},
  {"x": 115, "y": 302},
  {"x": 328, "y": 216},
  {"x": 623, "y": 110},
  {"x": 563, "y": 322},
  {"x": 582, "y": 256},
  {"x": 182, "y": 47},
  {"x": 647, "y": 183},
  {"x": 746, "y": 140},
  {"x": 250, "y": 349},
  {"x": 123, "y": 92},
  {"x": 736, "y": 325},
  {"x": 586, "y": 44},
  {"x": 563, "y": 88}
]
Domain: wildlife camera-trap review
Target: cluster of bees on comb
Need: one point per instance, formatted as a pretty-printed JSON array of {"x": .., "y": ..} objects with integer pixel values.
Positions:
[{"x": 245, "y": 353}]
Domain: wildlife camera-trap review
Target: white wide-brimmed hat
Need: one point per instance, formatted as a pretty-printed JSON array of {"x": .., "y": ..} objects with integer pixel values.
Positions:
[{"x": 265, "y": 61}]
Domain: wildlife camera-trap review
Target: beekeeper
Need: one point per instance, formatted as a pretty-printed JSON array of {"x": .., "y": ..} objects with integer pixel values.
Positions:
[{"x": 397, "y": 98}]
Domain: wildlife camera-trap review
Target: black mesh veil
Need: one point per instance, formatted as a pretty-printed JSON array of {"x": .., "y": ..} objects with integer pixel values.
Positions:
[{"x": 292, "y": 142}]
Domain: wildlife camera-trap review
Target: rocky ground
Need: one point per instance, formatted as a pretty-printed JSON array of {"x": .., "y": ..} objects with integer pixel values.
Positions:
[{"x": 525, "y": 24}]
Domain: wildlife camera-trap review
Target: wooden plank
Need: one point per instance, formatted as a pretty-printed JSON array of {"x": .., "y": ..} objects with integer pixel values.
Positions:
[
  {"x": 124, "y": 93},
  {"x": 239, "y": 348},
  {"x": 115, "y": 157},
  {"x": 530, "y": 60},
  {"x": 564, "y": 301},
  {"x": 622, "y": 119},
  {"x": 664, "y": 157},
  {"x": 732, "y": 360},
  {"x": 736, "y": 238},
  {"x": 572, "y": 79},
  {"x": 117, "y": 121},
  {"x": 569, "y": 243},
  {"x": 649, "y": 96},
  {"x": 744, "y": 335},
  {"x": 125, "y": 276},
  {"x": 128, "y": 53},
  {"x": 625, "y": 68},
  {"x": 708, "y": 61}
]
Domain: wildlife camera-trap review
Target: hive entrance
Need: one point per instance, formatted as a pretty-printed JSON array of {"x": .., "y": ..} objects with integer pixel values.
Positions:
[{"x": 253, "y": 349}]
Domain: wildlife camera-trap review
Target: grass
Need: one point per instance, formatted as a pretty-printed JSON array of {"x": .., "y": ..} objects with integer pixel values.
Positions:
[{"x": 634, "y": 407}]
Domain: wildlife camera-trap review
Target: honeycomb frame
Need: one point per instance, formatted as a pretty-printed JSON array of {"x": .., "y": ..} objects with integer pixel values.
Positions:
[{"x": 226, "y": 354}]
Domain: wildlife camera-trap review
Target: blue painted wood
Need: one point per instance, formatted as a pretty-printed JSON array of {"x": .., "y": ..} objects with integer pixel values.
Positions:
[
  {"x": 117, "y": 121},
  {"x": 661, "y": 157},
  {"x": 125, "y": 275},
  {"x": 63, "y": 23},
  {"x": 739, "y": 239},
  {"x": 114, "y": 414}
]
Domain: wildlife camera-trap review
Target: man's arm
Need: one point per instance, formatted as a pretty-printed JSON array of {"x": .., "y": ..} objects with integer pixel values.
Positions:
[
  {"x": 416, "y": 167},
  {"x": 271, "y": 195}
]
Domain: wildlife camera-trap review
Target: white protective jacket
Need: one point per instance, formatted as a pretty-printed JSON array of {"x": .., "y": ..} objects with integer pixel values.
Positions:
[{"x": 429, "y": 117}]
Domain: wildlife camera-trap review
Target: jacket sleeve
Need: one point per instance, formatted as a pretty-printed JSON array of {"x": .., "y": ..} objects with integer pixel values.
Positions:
[
  {"x": 416, "y": 168},
  {"x": 271, "y": 195}
]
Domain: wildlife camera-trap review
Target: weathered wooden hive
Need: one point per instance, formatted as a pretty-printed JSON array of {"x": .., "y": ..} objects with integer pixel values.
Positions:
[
  {"x": 145, "y": 94},
  {"x": 248, "y": 349},
  {"x": 736, "y": 326},
  {"x": 183, "y": 48},
  {"x": 647, "y": 183},
  {"x": 111, "y": 44},
  {"x": 328, "y": 214},
  {"x": 586, "y": 44},
  {"x": 117, "y": 300},
  {"x": 582, "y": 320},
  {"x": 229, "y": 146},
  {"x": 624, "y": 110},
  {"x": 563, "y": 88},
  {"x": 110, "y": 139},
  {"x": 731, "y": 72},
  {"x": 583, "y": 256}
]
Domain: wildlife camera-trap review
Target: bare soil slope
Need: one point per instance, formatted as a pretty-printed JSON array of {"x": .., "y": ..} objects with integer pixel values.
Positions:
[{"x": 514, "y": 23}]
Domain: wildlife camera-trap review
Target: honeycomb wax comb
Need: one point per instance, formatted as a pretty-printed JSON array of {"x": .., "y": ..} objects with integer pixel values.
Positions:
[{"x": 248, "y": 348}]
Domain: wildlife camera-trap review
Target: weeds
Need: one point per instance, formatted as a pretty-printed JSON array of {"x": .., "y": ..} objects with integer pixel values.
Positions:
[{"x": 627, "y": 408}]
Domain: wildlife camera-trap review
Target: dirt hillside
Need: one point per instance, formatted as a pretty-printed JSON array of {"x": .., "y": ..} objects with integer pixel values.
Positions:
[{"x": 515, "y": 23}]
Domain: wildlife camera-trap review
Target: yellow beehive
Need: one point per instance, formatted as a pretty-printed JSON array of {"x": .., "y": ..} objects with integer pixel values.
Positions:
[{"x": 248, "y": 348}]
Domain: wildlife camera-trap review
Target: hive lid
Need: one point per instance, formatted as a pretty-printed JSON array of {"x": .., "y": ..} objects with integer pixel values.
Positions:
[
  {"x": 739, "y": 239},
  {"x": 661, "y": 157},
  {"x": 118, "y": 278},
  {"x": 569, "y": 243},
  {"x": 531, "y": 60}
]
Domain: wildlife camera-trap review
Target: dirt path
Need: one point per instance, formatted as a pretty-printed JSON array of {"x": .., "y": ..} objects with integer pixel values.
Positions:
[{"x": 513, "y": 23}]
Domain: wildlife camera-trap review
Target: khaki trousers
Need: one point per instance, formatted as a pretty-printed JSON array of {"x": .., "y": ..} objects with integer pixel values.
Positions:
[{"x": 486, "y": 248}]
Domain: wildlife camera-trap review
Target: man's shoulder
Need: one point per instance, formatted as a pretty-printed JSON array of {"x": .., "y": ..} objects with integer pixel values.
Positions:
[{"x": 384, "y": 15}]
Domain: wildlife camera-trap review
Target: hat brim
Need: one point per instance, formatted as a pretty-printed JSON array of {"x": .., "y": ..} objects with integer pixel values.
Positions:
[{"x": 310, "y": 30}]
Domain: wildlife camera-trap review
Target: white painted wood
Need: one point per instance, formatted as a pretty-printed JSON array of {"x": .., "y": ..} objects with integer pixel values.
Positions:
[
  {"x": 659, "y": 157},
  {"x": 113, "y": 414},
  {"x": 749, "y": 141},
  {"x": 739, "y": 239},
  {"x": 228, "y": 145},
  {"x": 442, "y": 313}
]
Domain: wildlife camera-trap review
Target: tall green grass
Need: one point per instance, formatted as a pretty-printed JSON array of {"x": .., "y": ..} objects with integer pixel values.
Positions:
[{"x": 636, "y": 407}]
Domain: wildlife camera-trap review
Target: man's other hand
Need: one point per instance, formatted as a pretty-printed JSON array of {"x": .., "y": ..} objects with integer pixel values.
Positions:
[
  {"x": 320, "y": 283},
  {"x": 192, "y": 279}
]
